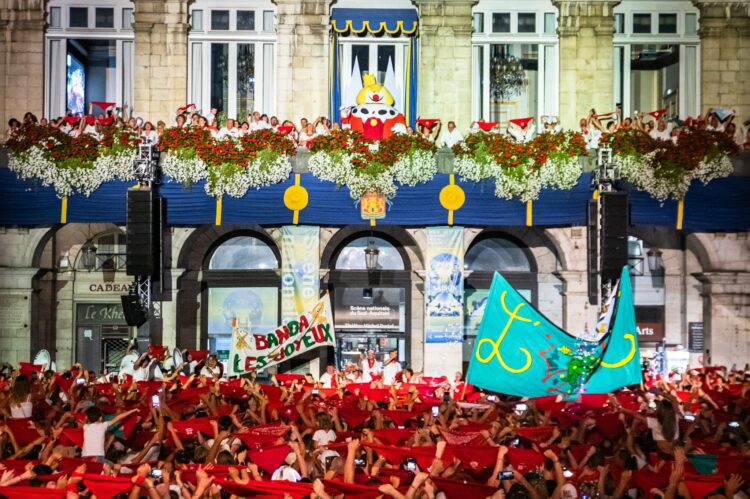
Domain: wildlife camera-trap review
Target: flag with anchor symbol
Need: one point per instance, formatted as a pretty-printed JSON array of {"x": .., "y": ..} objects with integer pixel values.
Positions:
[{"x": 520, "y": 352}]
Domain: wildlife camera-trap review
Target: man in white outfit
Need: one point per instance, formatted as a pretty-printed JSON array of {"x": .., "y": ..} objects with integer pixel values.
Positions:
[
  {"x": 370, "y": 368},
  {"x": 391, "y": 368},
  {"x": 450, "y": 136}
]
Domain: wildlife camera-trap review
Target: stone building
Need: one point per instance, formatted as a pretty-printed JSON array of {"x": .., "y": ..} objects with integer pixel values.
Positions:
[{"x": 301, "y": 58}]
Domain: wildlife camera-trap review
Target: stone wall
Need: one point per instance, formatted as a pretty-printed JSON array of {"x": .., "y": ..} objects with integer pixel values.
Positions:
[
  {"x": 444, "y": 84},
  {"x": 21, "y": 59}
]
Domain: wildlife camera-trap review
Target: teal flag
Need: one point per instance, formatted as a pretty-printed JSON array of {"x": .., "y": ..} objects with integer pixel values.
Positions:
[{"x": 520, "y": 352}]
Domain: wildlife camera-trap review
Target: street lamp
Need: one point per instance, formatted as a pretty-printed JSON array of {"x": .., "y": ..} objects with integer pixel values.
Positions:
[
  {"x": 88, "y": 255},
  {"x": 655, "y": 261},
  {"x": 371, "y": 256}
]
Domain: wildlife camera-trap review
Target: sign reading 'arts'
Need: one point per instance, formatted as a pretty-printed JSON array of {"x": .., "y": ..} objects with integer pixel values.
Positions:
[{"x": 314, "y": 329}]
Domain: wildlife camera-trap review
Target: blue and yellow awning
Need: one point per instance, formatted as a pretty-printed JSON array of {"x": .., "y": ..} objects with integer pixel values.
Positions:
[{"x": 374, "y": 21}]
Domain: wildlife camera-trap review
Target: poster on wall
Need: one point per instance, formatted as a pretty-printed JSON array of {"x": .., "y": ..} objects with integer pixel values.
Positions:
[
  {"x": 444, "y": 285},
  {"x": 370, "y": 309},
  {"x": 300, "y": 269},
  {"x": 256, "y": 310}
]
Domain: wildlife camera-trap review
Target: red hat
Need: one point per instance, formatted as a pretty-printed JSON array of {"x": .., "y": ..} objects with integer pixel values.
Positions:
[
  {"x": 284, "y": 129},
  {"x": 104, "y": 106},
  {"x": 269, "y": 459},
  {"x": 183, "y": 109},
  {"x": 658, "y": 113},
  {"x": 427, "y": 123},
  {"x": 486, "y": 125},
  {"x": 521, "y": 122}
]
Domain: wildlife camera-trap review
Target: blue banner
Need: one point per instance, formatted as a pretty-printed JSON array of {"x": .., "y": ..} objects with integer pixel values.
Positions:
[{"x": 444, "y": 285}]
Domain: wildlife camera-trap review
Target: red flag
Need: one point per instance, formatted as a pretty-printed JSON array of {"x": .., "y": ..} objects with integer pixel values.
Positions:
[
  {"x": 72, "y": 437},
  {"x": 394, "y": 455},
  {"x": 90, "y": 120},
  {"x": 658, "y": 113},
  {"x": 183, "y": 109},
  {"x": 475, "y": 458},
  {"x": 703, "y": 485},
  {"x": 271, "y": 458},
  {"x": 521, "y": 122},
  {"x": 157, "y": 351},
  {"x": 461, "y": 436},
  {"x": 104, "y": 106},
  {"x": 595, "y": 400},
  {"x": 197, "y": 355},
  {"x": 28, "y": 368},
  {"x": 189, "y": 428},
  {"x": 393, "y": 436},
  {"x": 72, "y": 120},
  {"x": 525, "y": 459},
  {"x": 399, "y": 417},
  {"x": 284, "y": 129},
  {"x": 535, "y": 433},
  {"x": 427, "y": 123},
  {"x": 486, "y": 125},
  {"x": 106, "y": 487}
]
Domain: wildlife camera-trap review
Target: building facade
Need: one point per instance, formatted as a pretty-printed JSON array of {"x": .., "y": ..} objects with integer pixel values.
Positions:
[{"x": 302, "y": 58}]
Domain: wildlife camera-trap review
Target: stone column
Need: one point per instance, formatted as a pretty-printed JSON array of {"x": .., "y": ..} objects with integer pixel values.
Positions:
[
  {"x": 585, "y": 28},
  {"x": 15, "y": 314},
  {"x": 577, "y": 312},
  {"x": 21, "y": 59},
  {"x": 444, "y": 84},
  {"x": 725, "y": 55},
  {"x": 726, "y": 317},
  {"x": 160, "y": 65},
  {"x": 302, "y": 66}
]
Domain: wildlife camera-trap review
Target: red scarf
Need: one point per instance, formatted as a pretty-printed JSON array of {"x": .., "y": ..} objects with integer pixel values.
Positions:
[{"x": 371, "y": 363}]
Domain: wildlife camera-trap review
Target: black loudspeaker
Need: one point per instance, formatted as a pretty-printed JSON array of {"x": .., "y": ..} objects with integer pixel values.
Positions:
[
  {"x": 614, "y": 234},
  {"x": 140, "y": 233},
  {"x": 592, "y": 257},
  {"x": 134, "y": 313}
]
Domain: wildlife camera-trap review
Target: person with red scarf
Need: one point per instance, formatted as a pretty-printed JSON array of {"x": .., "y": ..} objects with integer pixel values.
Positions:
[{"x": 371, "y": 368}]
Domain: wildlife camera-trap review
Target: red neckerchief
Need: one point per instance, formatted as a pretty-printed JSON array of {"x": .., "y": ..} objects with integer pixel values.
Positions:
[{"x": 371, "y": 363}]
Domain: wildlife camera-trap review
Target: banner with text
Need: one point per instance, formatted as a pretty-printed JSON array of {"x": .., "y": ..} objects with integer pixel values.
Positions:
[
  {"x": 300, "y": 269},
  {"x": 314, "y": 329},
  {"x": 444, "y": 285}
]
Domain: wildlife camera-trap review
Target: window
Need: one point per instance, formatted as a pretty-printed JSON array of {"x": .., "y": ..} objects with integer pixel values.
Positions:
[
  {"x": 500, "y": 22},
  {"x": 386, "y": 60},
  {"x": 352, "y": 256},
  {"x": 648, "y": 292},
  {"x": 550, "y": 23},
  {"x": 105, "y": 18},
  {"x": 655, "y": 77},
  {"x": 197, "y": 20},
  {"x": 641, "y": 23},
  {"x": 220, "y": 20},
  {"x": 79, "y": 17},
  {"x": 691, "y": 24},
  {"x": 246, "y": 20},
  {"x": 220, "y": 77},
  {"x": 496, "y": 254},
  {"x": 667, "y": 23},
  {"x": 517, "y": 96},
  {"x": 245, "y": 79},
  {"x": 55, "y": 20},
  {"x": 526, "y": 22},
  {"x": 243, "y": 253},
  {"x": 268, "y": 21},
  {"x": 619, "y": 23},
  {"x": 477, "y": 22},
  {"x": 127, "y": 18}
]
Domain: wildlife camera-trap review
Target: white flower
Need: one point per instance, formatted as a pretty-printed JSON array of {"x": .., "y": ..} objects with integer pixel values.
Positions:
[
  {"x": 265, "y": 170},
  {"x": 469, "y": 169},
  {"x": 411, "y": 169},
  {"x": 183, "y": 171},
  {"x": 337, "y": 167}
]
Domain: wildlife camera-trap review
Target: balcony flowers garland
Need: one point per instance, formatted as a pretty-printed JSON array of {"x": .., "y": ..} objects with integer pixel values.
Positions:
[
  {"x": 521, "y": 170},
  {"x": 71, "y": 164},
  {"x": 348, "y": 158},
  {"x": 665, "y": 169},
  {"x": 230, "y": 166}
]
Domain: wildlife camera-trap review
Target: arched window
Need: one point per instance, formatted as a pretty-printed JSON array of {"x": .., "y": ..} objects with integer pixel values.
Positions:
[
  {"x": 496, "y": 254},
  {"x": 242, "y": 289},
  {"x": 243, "y": 253},
  {"x": 352, "y": 256},
  {"x": 105, "y": 251}
]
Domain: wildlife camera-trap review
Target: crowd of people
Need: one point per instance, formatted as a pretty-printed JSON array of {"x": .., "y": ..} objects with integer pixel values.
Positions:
[
  {"x": 593, "y": 127},
  {"x": 371, "y": 430}
]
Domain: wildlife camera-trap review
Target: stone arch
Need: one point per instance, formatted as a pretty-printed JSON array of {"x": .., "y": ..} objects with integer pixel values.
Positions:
[{"x": 398, "y": 236}]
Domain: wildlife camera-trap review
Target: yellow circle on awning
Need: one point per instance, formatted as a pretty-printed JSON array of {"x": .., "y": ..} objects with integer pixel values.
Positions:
[
  {"x": 295, "y": 198},
  {"x": 452, "y": 197}
]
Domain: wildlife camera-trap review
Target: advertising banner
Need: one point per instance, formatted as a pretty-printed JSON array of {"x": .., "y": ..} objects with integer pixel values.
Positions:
[
  {"x": 444, "y": 285},
  {"x": 300, "y": 269},
  {"x": 250, "y": 352},
  {"x": 254, "y": 309},
  {"x": 370, "y": 309}
]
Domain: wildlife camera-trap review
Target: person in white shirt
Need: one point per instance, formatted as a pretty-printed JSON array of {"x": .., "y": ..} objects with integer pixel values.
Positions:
[
  {"x": 211, "y": 369},
  {"x": 229, "y": 131},
  {"x": 329, "y": 379},
  {"x": 370, "y": 367},
  {"x": 324, "y": 434},
  {"x": 20, "y": 398},
  {"x": 661, "y": 131},
  {"x": 450, "y": 136},
  {"x": 391, "y": 368},
  {"x": 521, "y": 134},
  {"x": 95, "y": 432}
]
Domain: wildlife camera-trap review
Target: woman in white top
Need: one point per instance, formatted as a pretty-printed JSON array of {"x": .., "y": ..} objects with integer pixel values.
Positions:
[
  {"x": 149, "y": 133},
  {"x": 324, "y": 434},
  {"x": 211, "y": 369},
  {"x": 19, "y": 401}
]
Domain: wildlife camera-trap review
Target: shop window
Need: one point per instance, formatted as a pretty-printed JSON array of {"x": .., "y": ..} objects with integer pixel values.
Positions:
[
  {"x": 220, "y": 20},
  {"x": 104, "y": 17},
  {"x": 501, "y": 22},
  {"x": 78, "y": 17},
  {"x": 243, "y": 253},
  {"x": 246, "y": 20}
]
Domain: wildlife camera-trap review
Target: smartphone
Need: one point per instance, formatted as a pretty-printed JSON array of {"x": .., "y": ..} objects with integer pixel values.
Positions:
[
  {"x": 156, "y": 473},
  {"x": 446, "y": 397},
  {"x": 505, "y": 475},
  {"x": 155, "y": 401},
  {"x": 567, "y": 473},
  {"x": 734, "y": 424},
  {"x": 411, "y": 464},
  {"x": 521, "y": 407},
  {"x": 492, "y": 398},
  {"x": 80, "y": 381},
  {"x": 689, "y": 417},
  {"x": 435, "y": 411},
  {"x": 359, "y": 461},
  {"x": 515, "y": 442}
]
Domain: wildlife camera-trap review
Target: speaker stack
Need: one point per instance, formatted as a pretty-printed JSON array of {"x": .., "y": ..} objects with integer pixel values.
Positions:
[
  {"x": 143, "y": 234},
  {"x": 134, "y": 313},
  {"x": 614, "y": 235}
]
